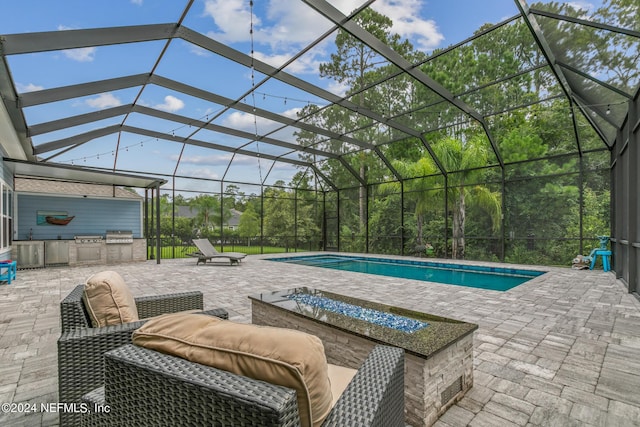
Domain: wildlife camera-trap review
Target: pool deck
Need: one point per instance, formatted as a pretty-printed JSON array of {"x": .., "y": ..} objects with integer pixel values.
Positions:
[{"x": 562, "y": 349}]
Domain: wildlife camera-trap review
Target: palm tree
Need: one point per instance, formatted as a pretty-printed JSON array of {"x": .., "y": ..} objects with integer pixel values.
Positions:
[
  {"x": 464, "y": 158},
  {"x": 415, "y": 189},
  {"x": 208, "y": 209},
  {"x": 462, "y": 161}
]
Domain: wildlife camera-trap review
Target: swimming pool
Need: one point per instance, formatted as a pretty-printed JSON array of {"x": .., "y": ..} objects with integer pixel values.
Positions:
[{"x": 493, "y": 278}]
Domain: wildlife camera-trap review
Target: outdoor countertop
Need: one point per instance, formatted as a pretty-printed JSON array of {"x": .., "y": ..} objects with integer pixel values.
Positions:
[{"x": 440, "y": 333}]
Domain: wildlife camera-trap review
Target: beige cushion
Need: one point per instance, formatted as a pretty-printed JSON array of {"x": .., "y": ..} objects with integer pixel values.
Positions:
[
  {"x": 108, "y": 300},
  {"x": 340, "y": 378},
  {"x": 284, "y": 357}
]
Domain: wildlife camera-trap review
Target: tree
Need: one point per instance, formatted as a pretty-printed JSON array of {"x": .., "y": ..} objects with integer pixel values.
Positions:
[
  {"x": 166, "y": 206},
  {"x": 208, "y": 212},
  {"x": 181, "y": 229},
  {"x": 415, "y": 189},
  {"x": 233, "y": 197},
  {"x": 279, "y": 220},
  {"x": 463, "y": 159},
  {"x": 249, "y": 225},
  {"x": 354, "y": 65}
]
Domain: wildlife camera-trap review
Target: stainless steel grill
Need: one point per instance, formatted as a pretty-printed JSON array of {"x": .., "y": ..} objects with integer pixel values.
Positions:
[{"x": 119, "y": 236}]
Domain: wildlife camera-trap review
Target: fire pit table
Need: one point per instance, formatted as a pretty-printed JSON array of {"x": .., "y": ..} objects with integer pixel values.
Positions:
[{"x": 438, "y": 351}]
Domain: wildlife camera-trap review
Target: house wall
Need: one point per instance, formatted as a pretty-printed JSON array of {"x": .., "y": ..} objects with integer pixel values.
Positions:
[
  {"x": 7, "y": 197},
  {"x": 93, "y": 216}
]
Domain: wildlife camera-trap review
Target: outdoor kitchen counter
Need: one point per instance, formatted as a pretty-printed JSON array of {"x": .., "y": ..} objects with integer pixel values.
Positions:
[
  {"x": 439, "y": 351},
  {"x": 83, "y": 250}
]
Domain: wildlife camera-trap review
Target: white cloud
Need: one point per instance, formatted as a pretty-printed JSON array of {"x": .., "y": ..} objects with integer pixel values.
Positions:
[
  {"x": 205, "y": 173},
  {"x": 291, "y": 113},
  {"x": 240, "y": 120},
  {"x": 287, "y": 26},
  {"x": 289, "y": 22},
  {"x": 229, "y": 16},
  {"x": 170, "y": 104},
  {"x": 222, "y": 159},
  {"x": 247, "y": 122},
  {"x": 137, "y": 2},
  {"x": 407, "y": 22},
  {"x": 104, "y": 100},
  {"x": 274, "y": 60},
  {"x": 586, "y": 7},
  {"x": 338, "y": 88},
  {"x": 198, "y": 51},
  {"x": 406, "y": 17},
  {"x": 290, "y": 25},
  {"x": 201, "y": 163},
  {"x": 28, "y": 87},
  {"x": 346, "y": 6},
  {"x": 83, "y": 54}
]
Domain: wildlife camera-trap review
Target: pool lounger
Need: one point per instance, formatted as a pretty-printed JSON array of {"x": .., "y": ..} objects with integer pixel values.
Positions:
[{"x": 207, "y": 252}]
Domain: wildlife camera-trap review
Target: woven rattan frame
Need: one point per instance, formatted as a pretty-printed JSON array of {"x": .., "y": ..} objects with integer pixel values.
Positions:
[
  {"x": 73, "y": 313},
  {"x": 147, "y": 388},
  {"x": 81, "y": 348}
]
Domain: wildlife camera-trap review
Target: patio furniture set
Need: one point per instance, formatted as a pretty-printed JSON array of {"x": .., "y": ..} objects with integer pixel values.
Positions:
[{"x": 163, "y": 360}]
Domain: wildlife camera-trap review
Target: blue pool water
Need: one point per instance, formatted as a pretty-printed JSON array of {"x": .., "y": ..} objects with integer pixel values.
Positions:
[{"x": 493, "y": 278}]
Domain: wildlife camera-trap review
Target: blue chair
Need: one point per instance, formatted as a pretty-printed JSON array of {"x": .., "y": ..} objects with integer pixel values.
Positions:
[
  {"x": 8, "y": 270},
  {"x": 603, "y": 252}
]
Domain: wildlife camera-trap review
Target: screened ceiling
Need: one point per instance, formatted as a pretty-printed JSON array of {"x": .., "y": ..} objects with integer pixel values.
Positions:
[{"x": 257, "y": 92}]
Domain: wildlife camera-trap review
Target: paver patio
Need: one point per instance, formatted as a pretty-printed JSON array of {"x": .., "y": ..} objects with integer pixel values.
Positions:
[{"x": 560, "y": 350}]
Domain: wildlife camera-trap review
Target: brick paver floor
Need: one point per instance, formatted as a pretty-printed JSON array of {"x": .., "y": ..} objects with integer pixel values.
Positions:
[{"x": 560, "y": 350}]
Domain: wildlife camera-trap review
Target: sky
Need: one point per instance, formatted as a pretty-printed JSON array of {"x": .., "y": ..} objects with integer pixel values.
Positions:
[{"x": 280, "y": 29}]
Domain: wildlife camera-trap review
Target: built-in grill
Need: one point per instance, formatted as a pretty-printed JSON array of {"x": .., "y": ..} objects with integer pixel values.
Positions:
[
  {"x": 119, "y": 236},
  {"x": 88, "y": 239}
]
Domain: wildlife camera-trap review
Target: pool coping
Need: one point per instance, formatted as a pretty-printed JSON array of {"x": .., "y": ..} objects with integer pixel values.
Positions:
[
  {"x": 521, "y": 275},
  {"x": 437, "y": 264}
]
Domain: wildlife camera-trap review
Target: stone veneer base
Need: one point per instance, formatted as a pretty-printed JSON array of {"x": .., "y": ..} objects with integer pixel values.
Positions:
[{"x": 431, "y": 384}]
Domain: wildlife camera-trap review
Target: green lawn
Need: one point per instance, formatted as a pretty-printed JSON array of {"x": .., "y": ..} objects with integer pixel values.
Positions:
[{"x": 183, "y": 251}]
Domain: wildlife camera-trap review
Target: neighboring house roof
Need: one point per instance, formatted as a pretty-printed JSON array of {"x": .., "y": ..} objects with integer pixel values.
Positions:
[
  {"x": 33, "y": 185},
  {"x": 187, "y": 212},
  {"x": 234, "y": 221}
]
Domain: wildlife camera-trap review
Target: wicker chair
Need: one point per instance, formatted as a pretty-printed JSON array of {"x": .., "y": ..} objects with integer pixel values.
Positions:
[
  {"x": 81, "y": 347},
  {"x": 146, "y": 388}
]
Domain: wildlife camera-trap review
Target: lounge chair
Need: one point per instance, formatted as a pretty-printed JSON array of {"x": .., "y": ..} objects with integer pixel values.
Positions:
[
  {"x": 172, "y": 376},
  {"x": 81, "y": 346},
  {"x": 207, "y": 252}
]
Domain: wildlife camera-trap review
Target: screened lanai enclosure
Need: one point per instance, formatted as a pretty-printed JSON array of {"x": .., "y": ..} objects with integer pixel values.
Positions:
[{"x": 505, "y": 134}]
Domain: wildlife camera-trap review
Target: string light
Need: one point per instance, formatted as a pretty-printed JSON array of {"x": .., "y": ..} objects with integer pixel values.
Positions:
[
  {"x": 592, "y": 107},
  {"x": 253, "y": 94},
  {"x": 126, "y": 148},
  {"x": 288, "y": 98}
]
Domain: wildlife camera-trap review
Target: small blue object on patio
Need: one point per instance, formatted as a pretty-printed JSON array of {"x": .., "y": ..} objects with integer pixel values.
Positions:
[
  {"x": 8, "y": 270},
  {"x": 605, "y": 254}
]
